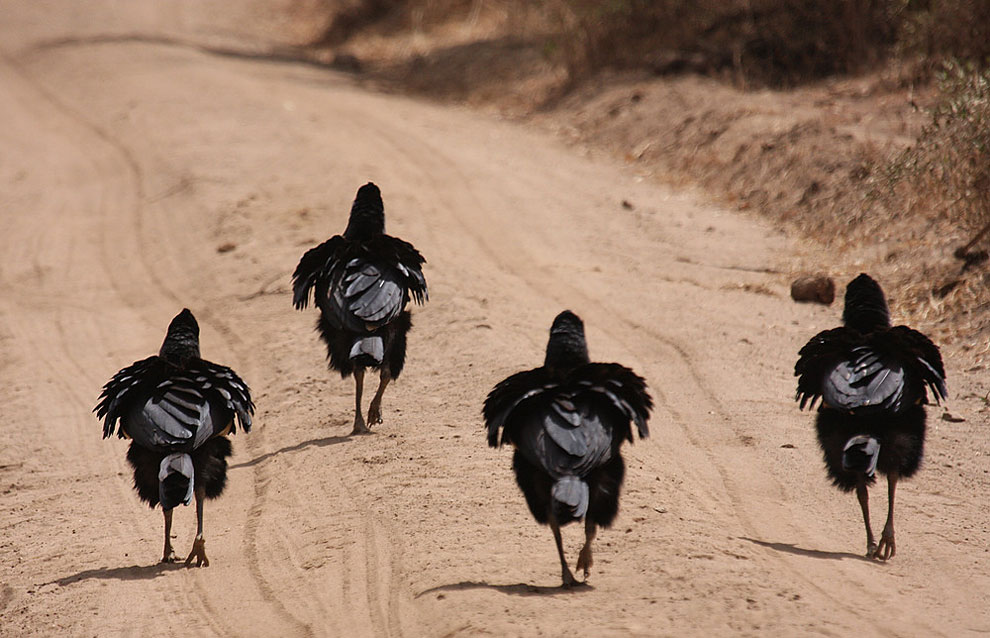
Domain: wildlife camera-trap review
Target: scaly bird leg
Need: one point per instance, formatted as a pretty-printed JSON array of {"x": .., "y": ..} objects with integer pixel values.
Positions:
[
  {"x": 864, "y": 502},
  {"x": 565, "y": 571},
  {"x": 375, "y": 410},
  {"x": 886, "y": 549},
  {"x": 584, "y": 558},
  {"x": 359, "y": 426},
  {"x": 168, "y": 555},
  {"x": 199, "y": 545}
]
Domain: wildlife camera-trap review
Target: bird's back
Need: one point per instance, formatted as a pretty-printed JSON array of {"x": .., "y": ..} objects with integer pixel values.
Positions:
[{"x": 567, "y": 435}]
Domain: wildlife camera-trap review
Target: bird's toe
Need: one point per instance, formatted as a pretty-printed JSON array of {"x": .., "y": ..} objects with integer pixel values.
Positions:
[
  {"x": 585, "y": 562},
  {"x": 198, "y": 553}
]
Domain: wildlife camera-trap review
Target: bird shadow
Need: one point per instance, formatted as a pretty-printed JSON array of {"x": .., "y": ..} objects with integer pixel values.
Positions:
[
  {"x": 790, "y": 548},
  {"x": 519, "y": 589},
  {"x": 324, "y": 442},
  {"x": 134, "y": 572}
]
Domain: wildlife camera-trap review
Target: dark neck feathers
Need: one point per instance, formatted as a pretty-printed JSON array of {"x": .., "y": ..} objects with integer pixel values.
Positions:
[
  {"x": 367, "y": 214},
  {"x": 182, "y": 340},
  {"x": 866, "y": 307},
  {"x": 567, "y": 348}
]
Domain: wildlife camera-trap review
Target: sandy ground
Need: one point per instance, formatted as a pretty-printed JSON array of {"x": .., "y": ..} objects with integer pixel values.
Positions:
[{"x": 139, "y": 176}]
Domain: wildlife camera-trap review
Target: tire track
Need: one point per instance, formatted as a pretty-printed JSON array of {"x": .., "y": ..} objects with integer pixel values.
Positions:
[{"x": 121, "y": 218}]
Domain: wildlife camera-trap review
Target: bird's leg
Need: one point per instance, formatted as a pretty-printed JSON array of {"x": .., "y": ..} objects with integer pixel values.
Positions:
[
  {"x": 886, "y": 549},
  {"x": 359, "y": 426},
  {"x": 168, "y": 555},
  {"x": 375, "y": 410},
  {"x": 584, "y": 558},
  {"x": 199, "y": 545},
  {"x": 565, "y": 571},
  {"x": 864, "y": 502}
]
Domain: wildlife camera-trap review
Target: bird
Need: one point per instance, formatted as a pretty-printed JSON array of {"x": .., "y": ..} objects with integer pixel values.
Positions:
[
  {"x": 567, "y": 421},
  {"x": 361, "y": 282},
  {"x": 873, "y": 381},
  {"x": 177, "y": 409}
]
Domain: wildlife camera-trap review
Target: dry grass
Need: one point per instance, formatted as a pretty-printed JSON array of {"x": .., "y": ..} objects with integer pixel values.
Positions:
[{"x": 826, "y": 158}]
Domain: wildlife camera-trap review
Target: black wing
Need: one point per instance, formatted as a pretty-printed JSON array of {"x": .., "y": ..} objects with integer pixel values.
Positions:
[
  {"x": 867, "y": 378},
  {"x": 365, "y": 295},
  {"x": 356, "y": 267},
  {"x": 623, "y": 388},
  {"x": 593, "y": 383},
  {"x": 508, "y": 394},
  {"x": 314, "y": 265},
  {"x": 402, "y": 256},
  {"x": 160, "y": 405},
  {"x": 886, "y": 370},
  {"x": 816, "y": 359},
  {"x": 125, "y": 387},
  {"x": 223, "y": 381},
  {"x": 922, "y": 359}
]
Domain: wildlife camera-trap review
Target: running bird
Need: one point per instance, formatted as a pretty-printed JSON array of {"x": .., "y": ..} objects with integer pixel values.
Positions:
[
  {"x": 177, "y": 409},
  {"x": 362, "y": 281},
  {"x": 873, "y": 381},
  {"x": 567, "y": 420}
]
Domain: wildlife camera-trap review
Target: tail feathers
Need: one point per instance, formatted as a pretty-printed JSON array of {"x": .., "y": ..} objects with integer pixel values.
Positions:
[
  {"x": 860, "y": 454},
  {"x": 570, "y": 499},
  {"x": 368, "y": 351},
  {"x": 175, "y": 480}
]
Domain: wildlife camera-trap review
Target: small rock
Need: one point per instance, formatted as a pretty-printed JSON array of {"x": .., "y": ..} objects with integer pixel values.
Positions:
[
  {"x": 814, "y": 288},
  {"x": 226, "y": 248}
]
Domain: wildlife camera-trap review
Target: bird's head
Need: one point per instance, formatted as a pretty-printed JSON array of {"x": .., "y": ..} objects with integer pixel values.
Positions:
[
  {"x": 866, "y": 307},
  {"x": 367, "y": 214},
  {"x": 567, "y": 348},
  {"x": 182, "y": 339}
]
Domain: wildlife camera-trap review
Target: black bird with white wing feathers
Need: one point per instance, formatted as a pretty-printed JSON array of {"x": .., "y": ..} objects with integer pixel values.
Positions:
[
  {"x": 177, "y": 409},
  {"x": 873, "y": 381},
  {"x": 568, "y": 420},
  {"x": 362, "y": 282}
]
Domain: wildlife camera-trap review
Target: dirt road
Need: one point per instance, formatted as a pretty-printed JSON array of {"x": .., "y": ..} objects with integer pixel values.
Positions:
[{"x": 139, "y": 175}]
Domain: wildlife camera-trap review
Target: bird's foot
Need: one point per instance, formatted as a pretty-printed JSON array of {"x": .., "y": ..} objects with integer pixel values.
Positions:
[
  {"x": 585, "y": 561},
  {"x": 199, "y": 553},
  {"x": 374, "y": 414},
  {"x": 360, "y": 428},
  {"x": 886, "y": 549},
  {"x": 569, "y": 581},
  {"x": 871, "y": 548},
  {"x": 169, "y": 555}
]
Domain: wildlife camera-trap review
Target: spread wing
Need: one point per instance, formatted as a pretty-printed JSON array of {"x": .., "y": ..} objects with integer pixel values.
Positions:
[
  {"x": 160, "y": 405},
  {"x": 599, "y": 385},
  {"x": 125, "y": 388},
  {"x": 508, "y": 394},
  {"x": 370, "y": 282},
  {"x": 623, "y": 388},
  {"x": 923, "y": 361},
  {"x": 888, "y": 370},
  {"x": 314, "y": 266}
]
